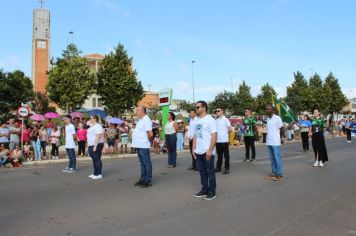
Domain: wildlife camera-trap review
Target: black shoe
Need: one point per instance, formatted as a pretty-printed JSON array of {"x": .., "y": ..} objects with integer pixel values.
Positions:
[
  {"x": 139, "y": 183},
  {"x": 253, "y": 160},
  {"x": 217, "y": 170},
  {"x": 246, "y": 159},
  {"x": 146, "y": 185},
  {"x": 201, "y": 194},
  {"x": 210, "y": 196},
  {"x": 226, "y": 172},
  {"x": 195, "y": 169},
  {"x": 191, "y": 168}
]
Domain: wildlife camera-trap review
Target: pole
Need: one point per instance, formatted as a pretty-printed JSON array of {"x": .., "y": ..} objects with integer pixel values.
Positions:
[
  {"x": 22, "y": 124},
  {"x": 232, "y": 86},
  {"x": 193, "y": 81}
]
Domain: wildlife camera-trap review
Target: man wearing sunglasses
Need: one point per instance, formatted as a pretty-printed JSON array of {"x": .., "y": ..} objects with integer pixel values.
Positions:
[
  {"x": 224, "y": 128},
  {"x": 204, "y": 141}
]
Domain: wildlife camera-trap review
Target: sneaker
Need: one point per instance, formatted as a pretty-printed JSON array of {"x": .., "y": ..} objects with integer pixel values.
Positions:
[
  {"x": 71, "y": 170},
  {"x": 139, "y": 183},
  {"x": 210, "y": 196},
  {"x": 252, "y": 160},
  {"x": 349, "y": 141},
  {"x": 226, "y": 172},
  {"x": 65, "y": 170},
  {"x": 316, "y": 164},
  {"x": 271, "y": 176},
  {"x": 191, "y": 168},
  {"x": 278, "y": 178},
  {"x": 321, "y": 164},
  {"x": 201, "y": 194},
  {"x": 97, "y": 177},
  {"x": 245, "y": 160},
  {"x": 91, "y": 176},
  {"x": 146, "y": 185},
  {"x": 217, "y": 170}
]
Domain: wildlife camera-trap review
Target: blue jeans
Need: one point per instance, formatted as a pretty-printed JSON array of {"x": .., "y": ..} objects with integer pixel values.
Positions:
[
  {"x": 276, "y": 159},
  {"x": 180, "y": 142},
  {"x": 207, "y": 173},
  {"x": 171, "y": 142},
  {"x": 36, "y": 145},
  {"x": 96, "y": 156},
  {"x": 71, "y": 157},
  {"x": 3, "y": 160},
  {"x": 145, "y": 164}
]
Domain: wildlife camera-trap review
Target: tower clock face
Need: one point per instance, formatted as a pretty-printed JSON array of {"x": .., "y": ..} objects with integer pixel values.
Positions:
[{"x": 41, "y": 44}]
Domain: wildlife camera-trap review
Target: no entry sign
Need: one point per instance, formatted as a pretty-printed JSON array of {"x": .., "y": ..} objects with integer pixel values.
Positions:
[{"x": 23, "y": 111}]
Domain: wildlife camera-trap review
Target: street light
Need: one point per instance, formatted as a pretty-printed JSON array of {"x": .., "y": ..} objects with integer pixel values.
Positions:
[{"x": 193, "y": 80}]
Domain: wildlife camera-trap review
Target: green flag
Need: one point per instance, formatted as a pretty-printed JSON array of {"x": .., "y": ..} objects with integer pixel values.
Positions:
[{"x": 284, "y": 111}]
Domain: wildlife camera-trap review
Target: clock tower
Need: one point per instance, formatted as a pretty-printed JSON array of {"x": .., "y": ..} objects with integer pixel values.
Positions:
[{"x": 40, "y": 48}]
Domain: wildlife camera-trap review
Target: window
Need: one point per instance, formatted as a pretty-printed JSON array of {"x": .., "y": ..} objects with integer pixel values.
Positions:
[
  {"x": 100, "y": 103},
  {"x": 94, "y": 102}
]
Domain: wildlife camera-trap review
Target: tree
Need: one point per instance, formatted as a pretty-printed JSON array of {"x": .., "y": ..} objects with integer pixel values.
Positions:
[
  {"x": 264, "y": 98},
  {"x": 118, "y": 86},
  {"x": 70, "y": 82},
  {"x": 244, "y": 99},
  {"x": 336, "y": 98},
  {"x": 40, "y": 104},
  {"x": 15, "y": 88},
  {"x": 225, "y": 100},
  {"x": 297, "y": 93},
  {"x": 187, "y": 106},
  {"x": 317, "y": 99}
]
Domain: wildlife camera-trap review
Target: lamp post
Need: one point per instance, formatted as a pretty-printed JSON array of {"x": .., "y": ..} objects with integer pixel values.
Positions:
[{"x": 193, "y": 81}]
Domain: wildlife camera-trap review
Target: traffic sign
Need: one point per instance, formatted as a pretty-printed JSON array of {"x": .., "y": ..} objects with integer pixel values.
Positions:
[
  {"x": 23, "y": 111},
  {"x": 165, "y": 96}
]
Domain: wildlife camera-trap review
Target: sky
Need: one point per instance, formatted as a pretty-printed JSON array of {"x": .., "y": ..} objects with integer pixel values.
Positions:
[{"x": 257, "y": 41}]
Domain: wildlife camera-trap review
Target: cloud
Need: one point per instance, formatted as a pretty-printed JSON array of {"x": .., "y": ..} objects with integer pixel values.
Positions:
[
  {"x": 183, "y": 86},
  {"x": 10, "y": 63},
  {"x": 112, "y": 7},
  {"x": 349, "y": 92}
]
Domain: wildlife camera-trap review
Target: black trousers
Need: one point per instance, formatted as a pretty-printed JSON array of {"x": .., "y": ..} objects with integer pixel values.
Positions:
[
  {"x": 81, "y": 147},
  {"x": 264, "y": 136},
  {"x": 305, "y": 140},
  {"x": 222, "y": 150},
  {"x": 250, "y": 144},
  {"x": 319, "y": 147},
  {"x": 54, "y": 151},
  {"x": 194, "y": 162},
  {"x": 348, "y": 134}
]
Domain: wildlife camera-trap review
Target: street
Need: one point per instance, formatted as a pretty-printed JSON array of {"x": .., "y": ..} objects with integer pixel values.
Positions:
[{"x": 42, "y": 200}]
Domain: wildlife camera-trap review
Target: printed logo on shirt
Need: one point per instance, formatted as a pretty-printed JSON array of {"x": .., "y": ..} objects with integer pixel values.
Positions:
[{"x": 199, "y": 131}]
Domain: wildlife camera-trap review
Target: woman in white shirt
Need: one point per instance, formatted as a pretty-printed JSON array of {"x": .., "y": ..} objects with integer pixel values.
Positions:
[
  {"x": 171, "y": 129},
  {"x": 95, "y": 138}
]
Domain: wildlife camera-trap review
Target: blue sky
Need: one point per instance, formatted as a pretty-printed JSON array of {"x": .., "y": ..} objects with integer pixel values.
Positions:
[{"x": 257, "y": 41}]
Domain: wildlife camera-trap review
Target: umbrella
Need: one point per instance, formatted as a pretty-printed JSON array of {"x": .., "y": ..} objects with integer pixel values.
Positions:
[
  {"x": 37, "y": 117},
  {"x": 116, "y": 121},
  {"x": 51, "y": 115},
  {"x": 102, "y": 114},
  {"x": 76, "y": 114}
]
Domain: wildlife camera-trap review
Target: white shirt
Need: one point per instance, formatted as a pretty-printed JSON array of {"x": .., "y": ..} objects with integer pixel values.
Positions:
[
  {"x": 15, "y": 138},
  {"x": 169, "y": 129},
  {"x": 223, "y": 125},
  {"x": 204, "y": 129},
  {"x": 70, "y": 131},
  {"x": 191, "y": 128},
  {"x": 139, "y": 135},
  {"x": 92, "y": 132},
  {"x": 274, "y": 124}
]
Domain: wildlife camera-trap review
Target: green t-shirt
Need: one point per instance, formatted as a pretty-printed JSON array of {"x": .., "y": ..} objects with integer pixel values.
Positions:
[
  {"x": 318, "y": 125},
  {"x": 250, "y": 124}
]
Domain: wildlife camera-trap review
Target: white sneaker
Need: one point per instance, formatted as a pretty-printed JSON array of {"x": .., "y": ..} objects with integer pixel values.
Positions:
[
  {"x": 349, "y": 141},
  {"x": 321, "y": 164},
  {"x": 65, "y": 170},
  {"x": 97, "y": 177},
  {"x": 91, "y": 176},
  {"x": 316, "y": 164}
]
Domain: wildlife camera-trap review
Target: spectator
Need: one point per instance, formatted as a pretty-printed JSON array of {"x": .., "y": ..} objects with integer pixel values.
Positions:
[
  {"x": 27, "y": 151},
  {"x": 180, "y": 133},
  {"x": 16, "y": 157},
  {"x": 36, "y": 143},
  {"x": 55, "y": 134},
  {"x": 25, "y": 137},
  {"x": 44, "y": 140},
  {"x": 14, "y": 131},
  {"x": 111, "y": 134},
  {"x": 124, "y": 136},
  {"x": 133, "y": 126},
  {"x": 4, "y": 155},
  {"x": 4, "y": 134},
  {"x": 82, "y": 139}
]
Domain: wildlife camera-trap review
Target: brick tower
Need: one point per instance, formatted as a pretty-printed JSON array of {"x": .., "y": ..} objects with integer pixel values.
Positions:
[{"x": 40, "y": 48}]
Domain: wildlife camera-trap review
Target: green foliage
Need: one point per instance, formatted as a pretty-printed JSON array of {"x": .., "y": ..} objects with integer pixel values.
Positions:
[
  {"x": 297, "y": 93},
  {"x": 225, "y": 100},
  {"x": 187, "y": 106},
  {"x": 264, "y": 98},
  {"x": 336, "y": 100},
  {"x": 316, "y": 99},
  {"x": 117, "y": 85},
  {"x": 70, "y": 82},
  {"x": 15, "y": 88},
  {"x": 243, "y": 100},
  {"x": 40, "y": 104}
]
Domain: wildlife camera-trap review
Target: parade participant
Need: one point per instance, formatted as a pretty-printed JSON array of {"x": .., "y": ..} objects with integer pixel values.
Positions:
[
  {"x": 353, "y": 127},
  {"x": 305, "y": 128},
  {"x": 224, "y": 128},
  {"x": 54, "y": 137},
  {"x": 70, "y": 144},
  {"x": 273, "y": 142},
  {"x": 95, "y": 137},
  {"x": 250, "y": 123},
  {"x": 348, "y": 130},
  {"x": 171, "y": 130},
  {"x": 318, "y": 141},
  {"x": 141, "y": 137},
  {"x": 205, "y": 136},
  {"x": 82, "y": 139},
  {"x": 191, "y": 130}
]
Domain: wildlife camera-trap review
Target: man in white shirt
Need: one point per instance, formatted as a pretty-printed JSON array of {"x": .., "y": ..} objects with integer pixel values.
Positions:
[
  {"x": 15, "y": 132},
  {"x": 191, "y": 130},
  {"x": 204, "y": 142},
  {"x": 70, "y": 135},
  {"x": 141, "y": 137},
  {"x": 224, "y": 128},
  {"x": 273, "y": 142}
]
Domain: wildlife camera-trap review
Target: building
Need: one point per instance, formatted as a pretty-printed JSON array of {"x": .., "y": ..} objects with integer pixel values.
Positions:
[
  {"x": 40, "y": 49},
  {"x": 150, "y": 100}
]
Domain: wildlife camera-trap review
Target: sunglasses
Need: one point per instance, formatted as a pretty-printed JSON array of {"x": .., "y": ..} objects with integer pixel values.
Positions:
[
  {"x": 197, "y": 107},
  {"x": 217, "y": 110}
]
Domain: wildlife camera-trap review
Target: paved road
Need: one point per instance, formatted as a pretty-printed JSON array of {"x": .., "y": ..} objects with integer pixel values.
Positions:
[{"x": 41, "y": 200}]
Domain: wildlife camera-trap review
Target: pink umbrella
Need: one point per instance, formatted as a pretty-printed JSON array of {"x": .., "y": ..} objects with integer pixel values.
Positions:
[
  {"x": 76, "y": 114},
  {"x": 51, "y": 115},
  {"x": 37, "y": 117}
]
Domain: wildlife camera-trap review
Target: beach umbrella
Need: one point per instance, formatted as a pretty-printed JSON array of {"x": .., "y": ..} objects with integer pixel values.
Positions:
[
  {"x": 76, "y": 114},
  {"x": 51, "y": 115},
  {"x": 116, "y": 121},
  {"x": 102, "y": 114},
  {"x": 37, "y": 117}
]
